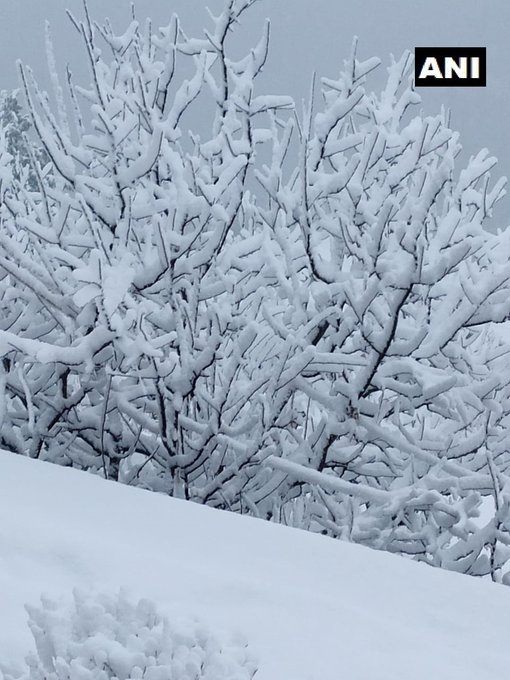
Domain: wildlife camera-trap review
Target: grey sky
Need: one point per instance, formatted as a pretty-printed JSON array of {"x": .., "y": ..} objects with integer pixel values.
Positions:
[{"x": 308, "y": 36}]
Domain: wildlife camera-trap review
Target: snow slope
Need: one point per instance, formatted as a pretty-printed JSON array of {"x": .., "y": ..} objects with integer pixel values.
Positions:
[{"x": 312, "y": 608}]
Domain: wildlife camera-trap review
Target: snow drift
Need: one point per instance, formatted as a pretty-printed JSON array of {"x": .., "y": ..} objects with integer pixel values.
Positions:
[{"x": 311, "y": 608}]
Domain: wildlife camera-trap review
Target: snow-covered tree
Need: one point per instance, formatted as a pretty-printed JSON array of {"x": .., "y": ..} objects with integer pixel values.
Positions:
[
  {"x": 289, "y": 316},
  {"x": 392, "y": 286},
  {"x": 132, "y": 286}
]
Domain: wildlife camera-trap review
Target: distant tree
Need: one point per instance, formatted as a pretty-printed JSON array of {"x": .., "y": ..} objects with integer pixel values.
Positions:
[
  {"x": 286, "y": 316},
  {"x": 16, "y": 126}
]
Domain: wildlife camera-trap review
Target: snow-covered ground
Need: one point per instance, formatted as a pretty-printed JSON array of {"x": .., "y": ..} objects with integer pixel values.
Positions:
[{"x": 311, "y": 607}]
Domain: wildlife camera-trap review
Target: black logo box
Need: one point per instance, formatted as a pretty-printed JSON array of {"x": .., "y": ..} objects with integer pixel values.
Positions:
[{"x": 439, "y": 53}]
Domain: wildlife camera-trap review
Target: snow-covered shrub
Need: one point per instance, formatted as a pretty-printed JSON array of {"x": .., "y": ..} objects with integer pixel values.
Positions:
[{"x": 112, "y": 638}]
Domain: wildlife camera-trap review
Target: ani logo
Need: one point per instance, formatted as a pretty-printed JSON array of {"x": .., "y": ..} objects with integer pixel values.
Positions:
[{"x": 450, "y": 66}]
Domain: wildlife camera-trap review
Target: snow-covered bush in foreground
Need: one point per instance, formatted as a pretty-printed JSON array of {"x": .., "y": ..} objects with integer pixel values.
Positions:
[{"x": 112, "y": 638}]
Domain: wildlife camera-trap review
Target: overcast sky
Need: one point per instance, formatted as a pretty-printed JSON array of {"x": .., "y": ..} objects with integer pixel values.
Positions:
[{"x": 309, "y": 36}]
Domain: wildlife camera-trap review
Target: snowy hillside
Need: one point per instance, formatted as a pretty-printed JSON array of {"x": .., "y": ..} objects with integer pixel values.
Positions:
[{"x": 312, "y": 608}]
